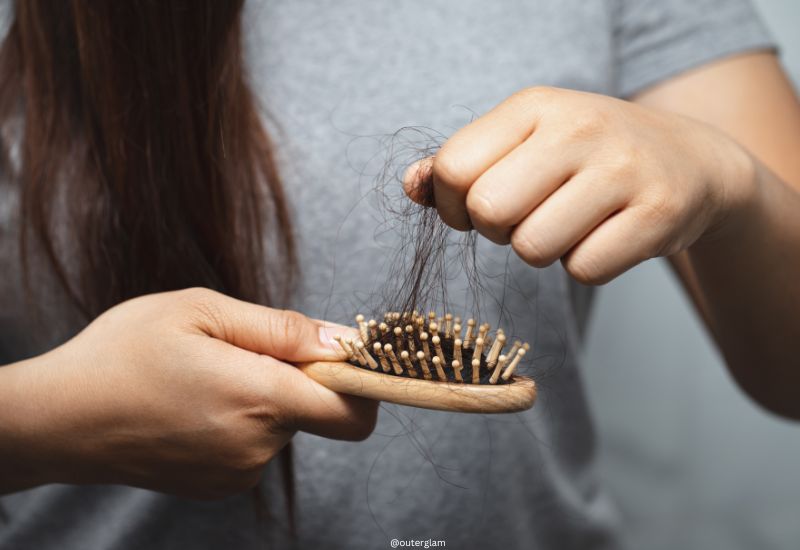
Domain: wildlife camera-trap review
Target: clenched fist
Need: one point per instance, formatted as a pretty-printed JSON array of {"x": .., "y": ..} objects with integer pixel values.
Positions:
[{"x": 600, "y": 183}]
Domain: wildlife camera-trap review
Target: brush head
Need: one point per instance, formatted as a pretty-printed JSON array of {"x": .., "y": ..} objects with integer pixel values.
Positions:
[{"x": 426, "y": 361}]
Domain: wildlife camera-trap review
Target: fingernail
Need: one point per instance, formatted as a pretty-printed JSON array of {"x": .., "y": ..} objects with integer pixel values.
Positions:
[{"x": 328, "y": 332}]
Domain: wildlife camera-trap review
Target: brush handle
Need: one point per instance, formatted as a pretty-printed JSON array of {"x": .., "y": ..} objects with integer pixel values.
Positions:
[{"x": 518, "y": 394}]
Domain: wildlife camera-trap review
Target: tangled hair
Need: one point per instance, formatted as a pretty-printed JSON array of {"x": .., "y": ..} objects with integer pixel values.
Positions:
[{"x": 428, "y": 254}]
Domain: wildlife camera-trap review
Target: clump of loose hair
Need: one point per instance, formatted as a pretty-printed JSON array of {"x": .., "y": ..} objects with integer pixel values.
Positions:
[
  {"x": 428, "y": 266},
  {"x": 429, "y": 253}
]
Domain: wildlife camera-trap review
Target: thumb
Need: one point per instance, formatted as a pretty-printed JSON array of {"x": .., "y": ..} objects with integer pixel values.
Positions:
[
  {"x": 279, "y": 333},
  {"x": 418, "y": 182}
]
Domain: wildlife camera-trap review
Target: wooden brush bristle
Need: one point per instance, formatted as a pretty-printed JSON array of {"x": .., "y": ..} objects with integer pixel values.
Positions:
[{"x": 409, "y": 344}]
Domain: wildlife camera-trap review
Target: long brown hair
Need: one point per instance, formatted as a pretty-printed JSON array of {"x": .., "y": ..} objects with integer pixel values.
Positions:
[
  {"x": 141, "y": 138},
  {"x": 141, "y": 142}
]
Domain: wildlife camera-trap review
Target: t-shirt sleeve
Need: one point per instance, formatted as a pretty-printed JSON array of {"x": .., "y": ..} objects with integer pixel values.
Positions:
[{"x": 658, "y": 39}]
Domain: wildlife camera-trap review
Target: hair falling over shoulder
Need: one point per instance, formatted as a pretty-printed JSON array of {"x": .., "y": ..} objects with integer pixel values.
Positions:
[
  {"x": 140, "y": 137},
  {"x": 143, "y": 165}
]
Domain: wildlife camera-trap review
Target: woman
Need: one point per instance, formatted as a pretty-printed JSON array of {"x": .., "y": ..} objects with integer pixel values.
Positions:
[{"x": 141, "y": 167}]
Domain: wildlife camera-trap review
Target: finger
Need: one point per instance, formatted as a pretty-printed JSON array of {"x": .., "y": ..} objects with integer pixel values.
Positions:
[
  {"x": 418, "y": 183},
  {"x": 474, "y": 149},
  {"x": 283, "y": 334},
  {"x": 618, "y": 244},
  {"x": 567, "y": 216},
  {"x": 308, "y": 406},
  {"x": 514, "y": 186}
]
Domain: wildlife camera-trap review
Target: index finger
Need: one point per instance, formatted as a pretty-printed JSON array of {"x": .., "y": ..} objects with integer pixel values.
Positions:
[{"x": 476, "y": 148}]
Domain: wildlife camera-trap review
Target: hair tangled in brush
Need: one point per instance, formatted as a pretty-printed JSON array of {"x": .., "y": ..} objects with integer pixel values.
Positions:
[
  {"x": 423, "y": 265},
  {"x": 429, "y": 254}
]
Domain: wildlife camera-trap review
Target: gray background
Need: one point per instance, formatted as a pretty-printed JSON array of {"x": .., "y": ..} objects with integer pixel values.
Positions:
[{"x": 692, "y": 463}]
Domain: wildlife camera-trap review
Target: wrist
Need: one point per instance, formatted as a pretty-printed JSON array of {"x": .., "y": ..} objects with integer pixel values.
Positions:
[
  {"x": 20, "y": 458},
  {"x": 37, "y": 446},
  {"x": 737, "y": 177}
]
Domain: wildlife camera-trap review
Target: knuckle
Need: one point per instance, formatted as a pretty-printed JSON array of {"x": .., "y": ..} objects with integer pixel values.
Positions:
[
  {"x": 585, "y": 125},
  {"x": 449, "y": 169},
  {"x": 624, "y": 163},
  {"x": 286, "y": 329},
  {"x": 627, "y": 157},
  {"x": 658, "y": 207},
  {"x": 532, "y": 101},
  {"x": 537, "y": 93},
  {"x": 533, "y": 251},
  {"x": 196, "y": 294},
  {"x": 202, "y": 306},
  {"x": 198, "y": 299},
  {"x": 482, "y": 210},
  {"x": 586, "y": 269}
]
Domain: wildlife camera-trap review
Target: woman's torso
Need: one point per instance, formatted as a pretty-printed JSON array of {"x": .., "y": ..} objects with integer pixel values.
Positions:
[{"x": 337, "y": 78}]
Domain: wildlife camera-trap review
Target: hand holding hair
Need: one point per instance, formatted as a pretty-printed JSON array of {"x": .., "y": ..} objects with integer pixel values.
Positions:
[
  {"x": 600, "y": 183},
  {"x": 604, "y": 184},
  {"x": 184, "y": 392}
]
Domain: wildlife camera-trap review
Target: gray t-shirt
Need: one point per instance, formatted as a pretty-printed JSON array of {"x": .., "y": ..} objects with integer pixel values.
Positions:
[{"x": 336, "y": 77}]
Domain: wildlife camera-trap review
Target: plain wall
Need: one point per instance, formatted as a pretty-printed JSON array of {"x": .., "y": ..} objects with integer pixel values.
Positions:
[{"x": 692, "y": 463}]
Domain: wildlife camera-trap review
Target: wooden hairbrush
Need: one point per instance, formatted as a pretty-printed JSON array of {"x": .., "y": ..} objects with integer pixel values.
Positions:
[{"x": 409, "y": 359}]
